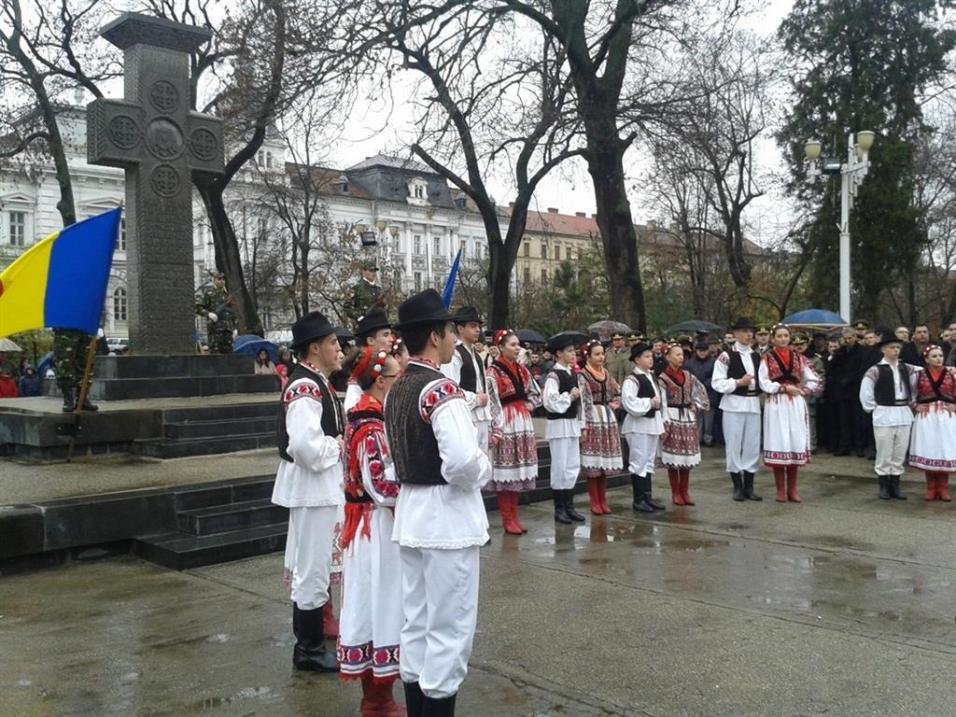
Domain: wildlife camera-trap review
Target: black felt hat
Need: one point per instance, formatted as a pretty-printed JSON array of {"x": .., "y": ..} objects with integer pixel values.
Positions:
[
  {"x": 639, "y": 348},
  {"x": 425, "y": 307},
  {"x": 742, "y": 323},
  {"x": 467, "y": 314},
  {"x": 564, "y": 339},
  {"x": 374, "y": 319},
  {"x": 887, "y": 337},
  {"x": 311, "y": 327}
]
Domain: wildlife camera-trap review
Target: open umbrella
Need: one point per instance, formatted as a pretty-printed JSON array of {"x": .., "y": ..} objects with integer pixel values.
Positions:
[
  {"x": 530, "y": 336},
  {"x": 44, "y": 364},
  {"x": 8, "y": 345},
  {"x": 608, "y": 327},
  {"x": 250, "y": 345},
  {"x": 692, "y": 327},
  {"x": 815, "y": 317}
]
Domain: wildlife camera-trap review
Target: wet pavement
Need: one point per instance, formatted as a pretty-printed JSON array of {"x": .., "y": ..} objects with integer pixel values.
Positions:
[{"x": 842, "y": 605}]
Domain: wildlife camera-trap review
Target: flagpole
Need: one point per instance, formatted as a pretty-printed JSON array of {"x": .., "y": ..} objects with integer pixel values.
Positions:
[{"x": 81, "y": 398}]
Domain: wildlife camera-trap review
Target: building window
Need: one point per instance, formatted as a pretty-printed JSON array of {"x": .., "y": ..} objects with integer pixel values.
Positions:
[
  {"x": 527, "y": 248},
  {"x": 121, "y": 239},
  {"x": 437, "y": 241},
  {"x": 18, "y": 228},
  {"x": 527, "y": 275},
  {"x": 544, "y": 250},
  {"x": 544, "y": 276},
  {"x": 463, "y": 248},
  {"x": 569, "y": 254},
  {"x": 418, "y": 281},
  {"x": 418, "y": 244},
  {"x": 119, "y": 304},
  {"x": 419, "y": 191}
]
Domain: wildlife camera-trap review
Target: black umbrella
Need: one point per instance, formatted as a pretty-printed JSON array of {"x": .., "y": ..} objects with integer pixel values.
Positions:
[
  {"x": 693, "y": 327},
  {"x": 529, "y": 336}
]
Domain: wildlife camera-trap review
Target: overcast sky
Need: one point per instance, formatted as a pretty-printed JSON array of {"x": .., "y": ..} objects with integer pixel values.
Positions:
[{"x": 372, "y": 129}]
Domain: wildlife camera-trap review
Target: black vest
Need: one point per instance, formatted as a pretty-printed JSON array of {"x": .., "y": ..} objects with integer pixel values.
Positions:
[
  {"x": 737, "y": 371},
  {"x": 566, "y": 381},
  {"x": 470, "y": 381},
  {"x": 786, "y": 372},
  {"x": 885, "y": 389},
  {"x": 519, "y": 394},
  {"x": 645, "y": 389},
  {"x": 332, "y": 422},
  {"x": 411, "y": 440}
]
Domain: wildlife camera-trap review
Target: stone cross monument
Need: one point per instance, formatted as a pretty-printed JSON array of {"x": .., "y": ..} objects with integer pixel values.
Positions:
[{"x": 161, "y": 143}]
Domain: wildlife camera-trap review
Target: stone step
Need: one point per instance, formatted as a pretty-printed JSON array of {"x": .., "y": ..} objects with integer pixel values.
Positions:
[
  {"x": 258, "y": 409},
  {"x": 236, "y": 491},
  {"x": 121, "y": 389},
  {"x": 181, "y": 430},
  {"x": 231, "y": 516},
  {"x": 164, "y": 448},
  {"x": 180, "y": 551}
]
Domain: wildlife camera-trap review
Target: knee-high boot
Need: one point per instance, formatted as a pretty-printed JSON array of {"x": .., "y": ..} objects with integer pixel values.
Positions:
[
  {"x": 594, "y": 496},
  {"x": 685, "y": 486},
  {"x": 942, "y": 487},
  {"x": 640, "y": 500},
  {"x": 507, "y": 506},
  {"x": 780, "y": 481},
  {"x": 673, "y": 475},
  {"x": 602, "y": 493},
  {"x": 792, "y": 485},
  {"x": 569, "y": 506},
  {"x": 931, "y": 485},
  {"x": 309, "y": 652}
]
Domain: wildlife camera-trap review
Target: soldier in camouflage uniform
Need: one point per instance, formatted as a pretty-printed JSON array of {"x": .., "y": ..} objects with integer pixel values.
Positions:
[
  {"x": 216, "y": 305},
  {"x": 69, "y": 358},
  {"x": 364, "y": 294}
]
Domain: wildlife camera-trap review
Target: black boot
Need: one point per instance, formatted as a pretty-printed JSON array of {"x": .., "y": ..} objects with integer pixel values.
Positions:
[
  {"x": 895, "y": 488},
  {"x": 414, "y": 699},
  {"x": 885, "y": 488},
  {"x": 88, "y": 405},
  {"x": 69, "y": 400},
  {"x": 310, "y": 653},
  {"x": 569, "y": 506},
  {"x": 640, "y": 501},
  {"x": 560, "y": 509},
  {"x": 648, "y": 498},
  {"x": 749, "y": 487},
  {"x": 444, "y": 707},
  {"x": 738, "y": 486}
]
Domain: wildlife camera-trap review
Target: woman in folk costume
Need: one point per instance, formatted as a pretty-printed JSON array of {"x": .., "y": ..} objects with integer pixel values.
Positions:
[
  {"x": 514, "y": 449},
  {"x": 787, "y": 378},
  {"x": 933, "y": 438},
  {"x": 601, "y": 437},
  {"x": 644, "y": 402},
  {"x": 680, "y": 444},
  {"x": 371, "y": 616}
]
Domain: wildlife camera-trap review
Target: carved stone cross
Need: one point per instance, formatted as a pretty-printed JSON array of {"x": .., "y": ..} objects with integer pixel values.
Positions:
[{"x": 161, "y": 143}]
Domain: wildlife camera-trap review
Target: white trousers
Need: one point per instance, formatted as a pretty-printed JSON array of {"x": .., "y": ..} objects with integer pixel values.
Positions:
[
  {"x": 565, "y": 462},
  {"x": 742, "y": 441},
  {"x": 641, "y": 453},
  {"x": 484, "y": 432},
  {"x": 440, "y": 601},
  {"x": 891, "y": 445},
  {"x": 311, "y": 532}
]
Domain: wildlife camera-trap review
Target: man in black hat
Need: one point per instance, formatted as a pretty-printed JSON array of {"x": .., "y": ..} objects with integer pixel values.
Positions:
[
  {"x": 886, "y": 392},
  {"x": 309, "y": 482},
  {"x": 735, "y": 376},
  {"x": 468, "y": 370},
  {"x": 440, "y": 520},
  {"x": 561, "y": 399},
  {"x": 373, "y": 330},
  {"x": 645, "y": 405}
]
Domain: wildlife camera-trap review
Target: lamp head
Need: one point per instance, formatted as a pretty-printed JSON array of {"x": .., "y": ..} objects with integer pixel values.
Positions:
[
  {"x": 812, "y": 149},
  {"x": 864, "y": 140}
]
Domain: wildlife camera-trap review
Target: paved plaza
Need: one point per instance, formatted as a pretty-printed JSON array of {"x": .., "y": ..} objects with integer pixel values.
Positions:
[{"x": 843, "y": 605}]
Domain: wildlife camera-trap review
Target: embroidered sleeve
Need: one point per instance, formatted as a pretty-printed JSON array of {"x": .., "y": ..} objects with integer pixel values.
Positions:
[
  {"x": 494, "y": 403},
  {"x": 376, "y": 465},
  {"x": 698, "y": 394},
  {"x": 531, "y": 388},
  {"x": 587, "y": 400},
  {"x": 436, "y": 394},
  {"x": 302, "y": 389}
]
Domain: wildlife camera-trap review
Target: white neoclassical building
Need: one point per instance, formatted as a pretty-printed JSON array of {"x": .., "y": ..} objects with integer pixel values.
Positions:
[{"x": 419, "y": 223}]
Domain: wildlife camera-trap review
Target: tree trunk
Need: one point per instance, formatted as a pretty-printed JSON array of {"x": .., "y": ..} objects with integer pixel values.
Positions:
[
  {"x": 228, "y": 260},
  {"x": 606, "y": 167}
]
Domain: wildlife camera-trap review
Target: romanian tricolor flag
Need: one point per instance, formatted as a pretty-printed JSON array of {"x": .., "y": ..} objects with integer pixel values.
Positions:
[{"x": 60, "y": 282}]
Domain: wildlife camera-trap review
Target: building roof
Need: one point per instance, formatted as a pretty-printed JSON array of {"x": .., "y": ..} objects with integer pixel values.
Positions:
[
  {"x": 552, "y": 222},
  {"x": 392, "y": 162}
]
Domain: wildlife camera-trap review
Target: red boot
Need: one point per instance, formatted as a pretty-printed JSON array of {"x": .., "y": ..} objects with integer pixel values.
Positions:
[
  {"x": 507, "y": 506},
  {"x": 330, "y": 626},
  {"x": 514, "y": 512},
  {"x": 674, "y": 477},
  {"x": 377, "y": 700},
  {"x": 594, "y": 497},
  {"x": 942, "y": 487},
  {"x": 685, "y": 486},
  {"x": 780, "y": 479},
  {"x": 792, "y": 485},
  {"x": 932, "y": 481},
  {"x": 602, "y": 494}
]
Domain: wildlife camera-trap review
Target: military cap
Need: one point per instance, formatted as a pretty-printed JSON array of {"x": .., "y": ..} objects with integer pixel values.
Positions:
[
  {"x": 861, "y": 326},
  {"x": 763, "y": 329},
  {"x": 616, "y": 336},
  {"x": 800, "y": 339},
  {"x": 369, "y": 265}
]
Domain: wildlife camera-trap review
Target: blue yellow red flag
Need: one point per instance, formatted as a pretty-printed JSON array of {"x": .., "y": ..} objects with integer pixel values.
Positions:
[{"x": 60, "y": 282}]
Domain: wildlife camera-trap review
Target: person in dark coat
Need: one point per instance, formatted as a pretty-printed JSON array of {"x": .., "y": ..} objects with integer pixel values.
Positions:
[
  {"x": 845, "y": 371},
  {"x": 701, "y": 366}
]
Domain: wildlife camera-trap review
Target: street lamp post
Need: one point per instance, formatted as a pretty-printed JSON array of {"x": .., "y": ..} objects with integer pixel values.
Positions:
[{"x": 851, "y": 177}]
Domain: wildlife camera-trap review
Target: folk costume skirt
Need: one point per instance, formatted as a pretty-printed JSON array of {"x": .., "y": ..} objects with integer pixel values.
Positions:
[
  {"x": 515, "y": 459},
  {"x": 933, "y": 440},
  {"x": 601, "y": 441},
  {"x": 786, "y": 431},
  {"x": 680, "y": 443}
]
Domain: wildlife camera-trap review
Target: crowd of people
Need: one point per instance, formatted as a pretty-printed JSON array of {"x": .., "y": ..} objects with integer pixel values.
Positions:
[{"x": 394, "y": 473}]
